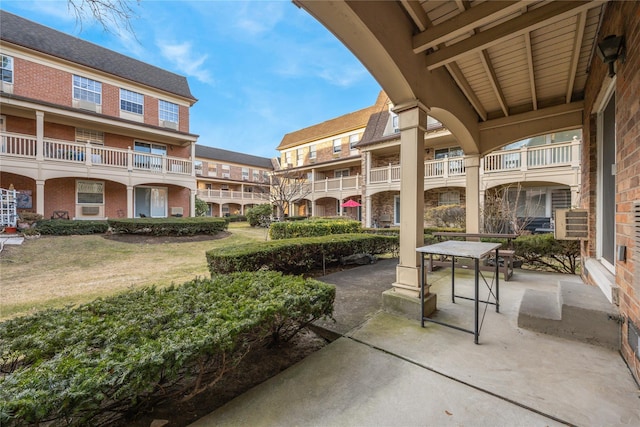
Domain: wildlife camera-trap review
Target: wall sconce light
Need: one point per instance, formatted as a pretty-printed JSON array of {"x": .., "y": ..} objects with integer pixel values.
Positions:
[{"x": 610, "y": 49}]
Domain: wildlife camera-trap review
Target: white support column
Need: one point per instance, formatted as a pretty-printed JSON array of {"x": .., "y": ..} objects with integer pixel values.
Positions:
[
  {"x": 40, "y": 197},
  {"x": 130, "y": 213},
  {"x": 192, "y": 203},
  {"x": 40, "y": 136},
  {"x": 472, "y": 167},
  {"x": 481, "y": 195},
  {"x": 413, "y": 121},
  {"x": 368, "y": 218}
]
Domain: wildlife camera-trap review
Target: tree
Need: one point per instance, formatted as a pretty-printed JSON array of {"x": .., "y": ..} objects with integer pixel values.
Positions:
[
  {"x": 202, "y": 208},
  {"x": 505, "y": 211},
  {"x": 259, "y": 215},
  {"x": 288, "y": 187},
  {"x": 111, "y": 14}
]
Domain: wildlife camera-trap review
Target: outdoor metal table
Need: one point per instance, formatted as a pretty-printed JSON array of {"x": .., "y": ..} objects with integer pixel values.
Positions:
[{"x": 456, "y": 249}]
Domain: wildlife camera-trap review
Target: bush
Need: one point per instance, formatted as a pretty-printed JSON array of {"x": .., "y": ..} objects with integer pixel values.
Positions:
[
  {"x": 63, "y": 227},
  {"x": 259, "y": 215},
  {"x": 202, "y": 207},
  {"x": 313, "y": 227},
  {"x": 446, "y": 216},
  {"x": 543, "y": 251},
  {"x": 90, "y": 364},
  {"x": 300, "y": 255},
  {"x": 169, "y": 226}
]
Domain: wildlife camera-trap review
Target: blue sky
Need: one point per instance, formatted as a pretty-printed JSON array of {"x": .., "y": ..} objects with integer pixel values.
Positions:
[{"x": 260, "y": 69}]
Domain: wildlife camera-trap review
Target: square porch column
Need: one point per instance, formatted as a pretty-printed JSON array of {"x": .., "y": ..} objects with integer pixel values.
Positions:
[
  {"x": 412, "y": 123},
  {"x": 472, "y": 167}
]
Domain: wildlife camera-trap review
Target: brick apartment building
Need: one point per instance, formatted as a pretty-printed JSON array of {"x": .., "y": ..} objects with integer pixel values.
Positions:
[
  {"x": 231, "y": 182},
  {"x": 91, "y": 133}
]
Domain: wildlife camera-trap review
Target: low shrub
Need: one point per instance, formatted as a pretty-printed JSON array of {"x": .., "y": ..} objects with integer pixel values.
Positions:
[
  {"x": 313, "y": 227},
  {"x": 299, "y": 255},
  {"x": 63, "y": 227},
  {"x": 260, "y": 215},
  {"x": 543, "y": 251},
  {"x": 89, "y": 365},
  {"x": 187, "y": 226}
]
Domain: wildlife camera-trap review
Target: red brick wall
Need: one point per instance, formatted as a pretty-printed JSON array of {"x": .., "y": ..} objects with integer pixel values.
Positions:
[
  {"x": 110, "y": 100},
  {"x": 21, "y": 125},
  {"x": 151, "y": 110},
  {"x": 41, "y": 82},
  {"x": 620, "y": 18}
]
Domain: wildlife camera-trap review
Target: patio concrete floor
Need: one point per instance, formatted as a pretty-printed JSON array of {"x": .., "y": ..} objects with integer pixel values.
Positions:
[{"x": 387, "y": 370}]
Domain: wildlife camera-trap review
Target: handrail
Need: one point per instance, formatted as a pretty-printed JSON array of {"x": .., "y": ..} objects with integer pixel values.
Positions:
[{"x": 26, "y": 146}]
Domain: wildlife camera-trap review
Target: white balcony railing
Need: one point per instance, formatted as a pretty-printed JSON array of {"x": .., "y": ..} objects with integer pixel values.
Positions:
[
  {"x": 337, "y": 184},
  {"x": 213, "y": 195},
  {"x": 25, "y": 146},
  {"x": 522, "y": 159},
  {"x": 561, "y": 154}
]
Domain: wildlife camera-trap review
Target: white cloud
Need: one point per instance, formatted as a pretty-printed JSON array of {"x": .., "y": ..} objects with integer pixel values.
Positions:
[
  {"x": 181, "y": 55},
  {"x": 256, "y": 21}
]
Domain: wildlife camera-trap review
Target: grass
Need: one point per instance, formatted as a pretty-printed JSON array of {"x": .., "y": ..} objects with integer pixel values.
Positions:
[{"x": 52, "y": 272}]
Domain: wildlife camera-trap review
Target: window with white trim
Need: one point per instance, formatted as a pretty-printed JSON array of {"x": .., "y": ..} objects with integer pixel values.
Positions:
[
  {"x": 90, "y": 192},
  {"x": 168, "y": 111},
  {"x": 89, "y": 136},
  {"x": 337, "y": 146},
  {"x": 449, "y": 198},
  {"x": 312, "y": 152},
  {"x": 85, "y": 89},
  {"x": 245, "y": 174},
  {"x": 288, "y": 160},
  {"x": 7, "y": 69},
  {"x": 340, "y": 173},
  {"x": 353, "y": 140},
  {"x": 300, "y": 156},
  {"x": 132, "y": 102},
  {"x": 226, "y": 171},
  {"x": 256, "y": 175}
]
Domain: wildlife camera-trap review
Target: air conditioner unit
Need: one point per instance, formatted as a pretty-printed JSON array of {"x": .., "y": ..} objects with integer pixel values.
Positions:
[
  {"x": 571, "y": 224},
  {"x": 168, "y": 124},
  {"x": 176, "y": 210},
  {"x": 86, "y": 105},
  {"x": 90, "y": 210}
]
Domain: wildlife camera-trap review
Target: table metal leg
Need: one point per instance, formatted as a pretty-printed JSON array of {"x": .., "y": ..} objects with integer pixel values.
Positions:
[
  {"x": 498, "y": 283},
  {"x": 422, "y": 290},
  {"x": 477, "y": 283},
  {"x": 453, "y": 279}
]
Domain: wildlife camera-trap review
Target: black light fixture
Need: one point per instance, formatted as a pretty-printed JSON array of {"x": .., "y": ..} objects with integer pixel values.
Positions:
[{"x": 610, "y": 49}]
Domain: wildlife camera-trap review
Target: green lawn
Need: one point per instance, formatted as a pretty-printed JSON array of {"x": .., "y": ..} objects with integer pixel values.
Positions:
[{"x": 63, "y": 270}]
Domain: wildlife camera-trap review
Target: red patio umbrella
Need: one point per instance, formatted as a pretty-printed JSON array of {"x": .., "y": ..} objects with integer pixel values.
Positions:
[{"x": 350, "y": 204}]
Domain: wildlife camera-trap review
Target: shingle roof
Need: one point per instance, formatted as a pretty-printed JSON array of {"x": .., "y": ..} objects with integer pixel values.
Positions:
[
  {"x": 25, "y": 33},
  {"x": 374, "y": 132},
  {"x": 205, "y": 152},
  {"x": 334, "y": 126}
]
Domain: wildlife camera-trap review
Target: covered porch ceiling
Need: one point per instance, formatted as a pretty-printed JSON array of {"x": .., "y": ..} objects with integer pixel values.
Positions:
[{"x": 492, "y": 72}]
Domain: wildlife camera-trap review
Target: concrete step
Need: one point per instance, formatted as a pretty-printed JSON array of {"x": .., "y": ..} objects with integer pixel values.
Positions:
[{"x": 575, "y": 311}]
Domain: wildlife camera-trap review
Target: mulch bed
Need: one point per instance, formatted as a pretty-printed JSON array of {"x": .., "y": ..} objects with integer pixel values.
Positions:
[{"x": 154, "y": 240}]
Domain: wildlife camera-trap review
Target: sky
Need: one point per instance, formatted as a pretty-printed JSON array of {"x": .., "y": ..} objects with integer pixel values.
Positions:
[{"x": 259, "y": 69}]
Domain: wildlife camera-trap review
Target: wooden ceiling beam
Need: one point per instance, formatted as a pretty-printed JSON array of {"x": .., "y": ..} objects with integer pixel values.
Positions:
[
  {"x": 463, "y": 23},
  {"x": 493, "y": 80},
  {"x": 532, "y": 75},
  {"x": 537, "y": 18},
  {"x": 417, "y": 14},
  {"x": 464, "y": 86},
  {"x": 580, "y": 24}
]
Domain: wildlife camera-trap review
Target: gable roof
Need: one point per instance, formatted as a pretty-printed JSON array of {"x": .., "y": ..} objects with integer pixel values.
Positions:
[
  {"x": 206, "y": 152},
  {"x": 338, "y": 125},
  {"x": 28, "y": 34}
]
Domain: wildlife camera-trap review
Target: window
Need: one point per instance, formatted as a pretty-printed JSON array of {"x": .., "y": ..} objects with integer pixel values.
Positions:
[
  {"x": 449, "y": 198},
  {"x": 245, "y": 174},
  {"x": 7, "y": 69},
  {"x": 131, "y": 101},
  {"x": 85, "y": 89},
  {"x": 167, "y": 111},
  {"x": 300, "y": 156},
  {"x": 312, "y": 152},
  {"x": 89, "y": 136},
  {"x": 149, "y": 161},
  {"x": 256, "y": 175},
  {"x": 226, "y": 171},
  {"x": 90, "y": 192},
  {"x": 288, "y": 161},
  {"x": 443, "y": 153},
  {"x": 197, "y": 166},
  {"x": 341, "y": 172},
  {"x": 394, "y": 123},
  {"x": 337, "y": 146},
  {"x": 353, "y": 140}
]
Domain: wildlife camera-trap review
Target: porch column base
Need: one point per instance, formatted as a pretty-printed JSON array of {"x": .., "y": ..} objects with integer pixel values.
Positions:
[{"x": 400, "y": 304}]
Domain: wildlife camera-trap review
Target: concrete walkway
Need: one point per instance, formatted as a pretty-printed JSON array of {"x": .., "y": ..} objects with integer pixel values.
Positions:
[{"x": 388, "y": 371}]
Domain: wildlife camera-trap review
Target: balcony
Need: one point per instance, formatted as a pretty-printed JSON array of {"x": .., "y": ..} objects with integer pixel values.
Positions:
[
  {"x": 332, "y": 185},
  {"x": 556, "y": 163},
  {"x": 232, "y": 196},
  {"x": 23, "y": 150}
]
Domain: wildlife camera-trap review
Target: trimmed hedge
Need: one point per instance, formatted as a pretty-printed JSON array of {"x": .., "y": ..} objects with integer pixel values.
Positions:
[
  {"x": 296, "y": 256},
  {"x": 89, "y": 365},
  {"x": 543, "y": 251},
  {"x": 63, "y": 227},
  {"x": 313, "y": 227},
  {"x": 186, "y": 226}
]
